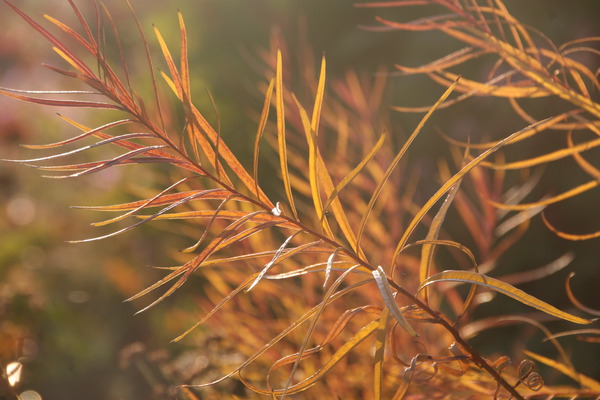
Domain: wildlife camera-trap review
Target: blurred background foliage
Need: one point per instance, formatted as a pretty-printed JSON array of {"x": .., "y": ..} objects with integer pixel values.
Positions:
[{"x": 61, "y": 305}]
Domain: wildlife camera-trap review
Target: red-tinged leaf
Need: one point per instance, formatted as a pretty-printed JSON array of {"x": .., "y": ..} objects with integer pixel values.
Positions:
[
  {"x": 150, "y": 64},
  {"x": 52, "y": 39},
  {"x": 83, "y": 135},
  {"x": 178, "y": 271},
  {"x": 208, "y": 226},
  {"x": 80, "y": 149},
  {"x": 546, "y": 158},
  {"x": 60, "y": 103},
  {"x": 236, "y": 238},
  {"x": 133, "y": 160},
  {"x": 109, "y": 163},
  {"x": 582, "y": 162},
  {"x": 428, "y": 249},
  {"x": 535, "y": 128},
  {"x": 134, "y": 146},
  {"x": 107, "y": 67},
  {"x": 212, "y": 247},
  {"x": 154, "y": 202},
  {"x": 83, "y": 23},
  {"x": 354, "y": 173},
  {"x": 313, "y": 150},
  {"x": 424, "y": 24},
  {"x": 162, "y": 199},
  {"x": 228, "y": 214},
  {"x": 145, "y": 219},
  {"x": 91, "y": 82},
  {"x": 71, "y": 32},
  {"x": 229, "y": 158},
  {"x": 397, "y": 3}
]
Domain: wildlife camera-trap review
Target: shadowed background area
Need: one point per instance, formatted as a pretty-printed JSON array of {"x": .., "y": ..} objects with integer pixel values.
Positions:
[{"x": 61, "y": 305}]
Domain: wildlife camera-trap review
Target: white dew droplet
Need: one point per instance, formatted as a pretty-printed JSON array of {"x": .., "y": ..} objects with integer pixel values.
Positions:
[{"x": 277, "y": 210}]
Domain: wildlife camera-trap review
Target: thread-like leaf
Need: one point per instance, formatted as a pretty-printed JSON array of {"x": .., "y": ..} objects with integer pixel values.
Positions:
[
  {"x": 569, "y": 236},
  {"x": 60, "y": 103}
]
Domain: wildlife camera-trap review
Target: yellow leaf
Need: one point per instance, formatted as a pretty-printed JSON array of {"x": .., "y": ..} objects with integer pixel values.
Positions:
[
  {"x": 281, "y": 135},
  {"x": 555, "y": 199},
  {"x": 585, "y": 381},
  {"x": 504, "y": 288},
  {"x": 448, "y": 184},
  {"x": 397, "y": 159}
]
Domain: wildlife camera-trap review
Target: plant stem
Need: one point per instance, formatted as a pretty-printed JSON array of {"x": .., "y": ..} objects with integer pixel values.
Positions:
[{"x": 475, "y": 357}]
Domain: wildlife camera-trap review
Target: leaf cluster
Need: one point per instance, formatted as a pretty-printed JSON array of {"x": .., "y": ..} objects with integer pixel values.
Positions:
[{"x": 338, "y": 279}]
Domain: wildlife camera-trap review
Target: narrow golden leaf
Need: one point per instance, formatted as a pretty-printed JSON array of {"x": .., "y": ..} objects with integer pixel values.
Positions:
[
  {"x": 428, "y": 249},
  {"x": 281, "y": 134},
  {"x": 546, "y": 158},
  {"x": 504, "y": 288},
  {"x": 584, "y": 380},
  {"x": 447, "y": 185},
  {"x": 313, "y": 167},
  {"x": 569, "y": 236},
  {"x": 185, "y": 71},
  {"x": 170, "y": 63},
  {"x": 380, "y": 338},
  {"x": 262, "y": 123},
  {"x": 397, "y": 159},
  {"x": 316, "y": 116},
  {"x": 551, "y": 200},
  {"x": 350, "y": 177}
]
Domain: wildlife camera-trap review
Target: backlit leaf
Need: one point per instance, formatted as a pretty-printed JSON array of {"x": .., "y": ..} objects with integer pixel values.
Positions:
[{"x": 504, "y": 288}]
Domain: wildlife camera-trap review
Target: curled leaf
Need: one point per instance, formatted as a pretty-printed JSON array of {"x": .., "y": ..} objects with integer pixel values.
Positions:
[{"x": 388, "y": 298}]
